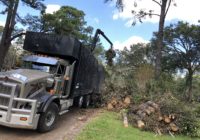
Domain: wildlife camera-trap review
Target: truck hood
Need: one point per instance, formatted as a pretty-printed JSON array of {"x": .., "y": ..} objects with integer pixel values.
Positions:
[{"x": 25, "y": 75}]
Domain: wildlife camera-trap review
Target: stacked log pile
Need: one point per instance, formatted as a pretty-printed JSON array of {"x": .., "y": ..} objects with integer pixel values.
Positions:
[
  {"x": 118, "y": 104},
  {"x": 147, "y": 116}
]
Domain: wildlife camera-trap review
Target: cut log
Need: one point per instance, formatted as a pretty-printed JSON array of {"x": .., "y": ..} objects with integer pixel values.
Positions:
[
  {"x": 140, "y": 124},
  {"x": 109, "y": 106},
  {"x": 114, "y": 102},
  {"x": 127, "y": 101},
  {"x": 167, "y": 119},
  {"x": 125, "y": 119},
  {"x": 173, "y": 127},
  {"x": 149, "y": 110}
]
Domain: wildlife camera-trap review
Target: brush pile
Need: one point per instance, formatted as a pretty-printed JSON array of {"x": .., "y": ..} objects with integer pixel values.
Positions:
[{"x": 148, "y": 116}]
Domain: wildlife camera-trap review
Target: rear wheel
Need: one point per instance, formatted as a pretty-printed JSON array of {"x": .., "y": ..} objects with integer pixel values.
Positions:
[
  {"x": 86, "y": 101},
  {"x": 48, "y": 119},
  {"x": 78, "y": 101}
]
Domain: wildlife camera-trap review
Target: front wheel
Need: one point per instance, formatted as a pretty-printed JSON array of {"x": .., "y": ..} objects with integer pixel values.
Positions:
[{"x": 48, "y": 119}]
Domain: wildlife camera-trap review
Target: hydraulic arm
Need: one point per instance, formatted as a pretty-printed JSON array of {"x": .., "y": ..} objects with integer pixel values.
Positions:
[{"x": 96, "y": 37}]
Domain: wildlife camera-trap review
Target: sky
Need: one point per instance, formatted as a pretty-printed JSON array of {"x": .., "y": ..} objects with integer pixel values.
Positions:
[{"x": 117, "y": 24}]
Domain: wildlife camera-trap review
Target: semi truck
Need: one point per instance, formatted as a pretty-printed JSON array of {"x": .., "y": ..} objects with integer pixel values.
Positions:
[{"x": 59, "y": 72}]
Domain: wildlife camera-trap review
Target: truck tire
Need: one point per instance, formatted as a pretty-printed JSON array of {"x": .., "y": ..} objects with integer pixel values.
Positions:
[
  {"x": 86, "y": 101},
  {"x": 48, "y": 119},
  {"x": 78, "y": 102}
]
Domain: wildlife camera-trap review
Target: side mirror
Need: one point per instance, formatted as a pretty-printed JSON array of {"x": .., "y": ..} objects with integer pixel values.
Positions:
[{"x": 50, "y": 82}]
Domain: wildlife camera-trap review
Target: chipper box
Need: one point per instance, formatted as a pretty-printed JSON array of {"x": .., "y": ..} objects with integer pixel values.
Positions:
[{"x": 58, "y": 72}]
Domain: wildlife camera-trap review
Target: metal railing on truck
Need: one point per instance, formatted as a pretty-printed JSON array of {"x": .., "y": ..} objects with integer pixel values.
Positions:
[{"x": 12, "y": 98}]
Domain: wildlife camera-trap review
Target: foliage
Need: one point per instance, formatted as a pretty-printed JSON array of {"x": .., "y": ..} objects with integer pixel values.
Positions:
[
  {"x": 163, "y": 85},
  {"x": 135, "y": 56},
  {"x": 141, "y": 14},
  {"x": 108, "y": 126},
  {"x": 133, "y": 74},
  {"x": 164, "y": 6},
  {"x": 116, "y": 85},
  {"x": 182, "y": 43},
  {"x": 196, "y": 87},
  {"x": 12, "y": 58},
  {"x": 186, "y": 117},
  {"x": 143, "y": 75},
  {"x": 182, "y": 50},
  {"x": 66, "y": 21}
]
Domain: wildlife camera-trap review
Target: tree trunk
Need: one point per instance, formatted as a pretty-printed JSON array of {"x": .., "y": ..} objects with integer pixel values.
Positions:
[
  {"x": 160, "y": 39},
  {"x": 189, "y": 79},
  {"x": 9, "y": 27}
]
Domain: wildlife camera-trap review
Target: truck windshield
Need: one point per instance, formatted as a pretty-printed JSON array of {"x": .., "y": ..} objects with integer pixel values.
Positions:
[{"x": 42, "y": 67}]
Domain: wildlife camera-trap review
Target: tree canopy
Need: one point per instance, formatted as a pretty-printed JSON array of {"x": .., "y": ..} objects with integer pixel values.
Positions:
[
  {"x": 164, "y": 6},
  {"x": 182, "y": 42},
  {"x": 66, "y": 21}
]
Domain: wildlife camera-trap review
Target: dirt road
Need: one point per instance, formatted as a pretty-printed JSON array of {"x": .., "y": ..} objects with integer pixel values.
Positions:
[{"x": 68, "y": 126}]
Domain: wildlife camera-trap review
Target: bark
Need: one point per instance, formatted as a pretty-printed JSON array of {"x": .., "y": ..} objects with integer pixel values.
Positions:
[
  {"x": 9, "y": 26},
  {"x": 189, "y": 79},
  {"x": 160, "y": 39}
]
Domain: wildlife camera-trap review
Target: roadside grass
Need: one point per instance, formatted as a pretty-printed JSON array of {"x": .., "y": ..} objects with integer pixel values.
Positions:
[{"x": 107, "y": 126}]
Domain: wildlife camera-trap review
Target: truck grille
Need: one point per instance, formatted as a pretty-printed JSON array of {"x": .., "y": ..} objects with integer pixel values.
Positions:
[{"x": 5, "y": 90}]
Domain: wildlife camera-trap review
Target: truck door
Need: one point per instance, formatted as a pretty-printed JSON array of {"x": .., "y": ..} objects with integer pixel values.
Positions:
[{"x": 67, "y": 80}]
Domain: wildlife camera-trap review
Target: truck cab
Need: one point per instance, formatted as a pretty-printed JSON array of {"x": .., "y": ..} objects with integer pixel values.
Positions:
[
  {"x": 26, "y": 94},
  {"x": 59, "y": 72}
]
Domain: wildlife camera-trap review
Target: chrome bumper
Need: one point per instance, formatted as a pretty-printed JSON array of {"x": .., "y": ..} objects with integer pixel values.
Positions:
[
  {"x": 15, "y": 121},
  {"x": 10, "y": 116}
]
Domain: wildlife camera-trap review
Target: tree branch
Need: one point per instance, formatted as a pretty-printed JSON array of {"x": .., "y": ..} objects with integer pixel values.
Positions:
[
  {"x": 141, "y": 16},
  {"x": 4, "y": 2},
  {"x": 17, "y": 35},
  {"x": 170, "y": 1},
  {"x": 156, "y": 2},
  {"x": 153, "y": 14},
  {"x": 4, "y": 11}
]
